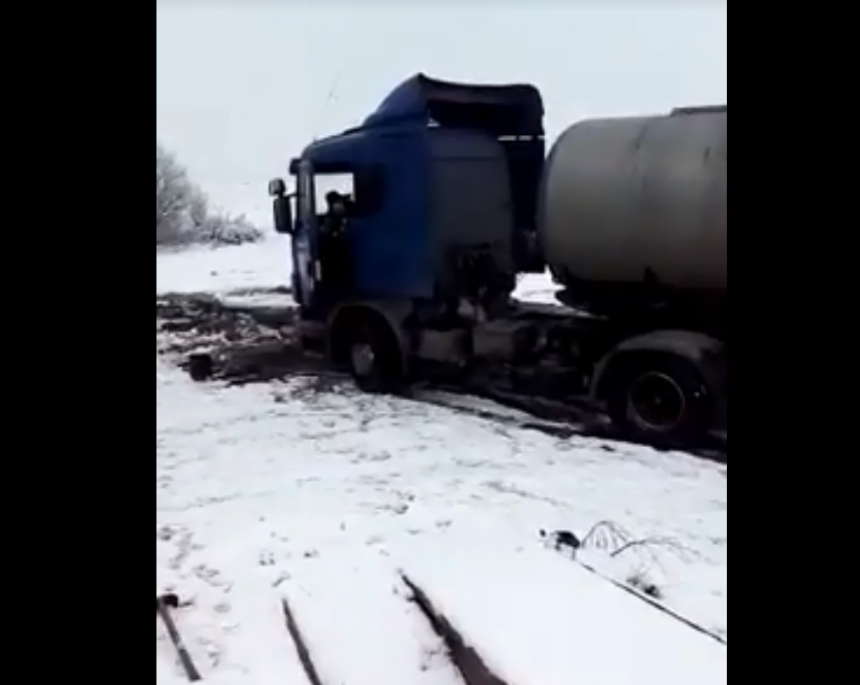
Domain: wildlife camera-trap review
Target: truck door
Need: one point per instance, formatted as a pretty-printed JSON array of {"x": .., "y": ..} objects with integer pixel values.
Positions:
[{"x": 304, "y": 239}]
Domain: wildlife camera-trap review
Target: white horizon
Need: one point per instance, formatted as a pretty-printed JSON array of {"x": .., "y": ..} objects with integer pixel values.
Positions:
[{"x": 242, "y": 88}]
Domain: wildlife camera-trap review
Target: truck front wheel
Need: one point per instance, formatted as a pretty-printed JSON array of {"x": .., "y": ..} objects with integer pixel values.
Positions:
[
  {"x": 659, "y": 398},
  {"x": 373, "y": 356}
]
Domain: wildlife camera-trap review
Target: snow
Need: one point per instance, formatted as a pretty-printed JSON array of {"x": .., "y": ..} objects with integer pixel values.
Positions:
[
  {"x": 221, "y": 269},
  {"x": 536, "y": 288},
  {"x": 359, "y": 624},
  {"x": 282, "y": 490},
  {"x": 572, "y": 625}
]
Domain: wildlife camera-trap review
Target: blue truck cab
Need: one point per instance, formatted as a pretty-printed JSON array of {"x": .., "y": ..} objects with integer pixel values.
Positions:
[{"x": 442, "y": 185}]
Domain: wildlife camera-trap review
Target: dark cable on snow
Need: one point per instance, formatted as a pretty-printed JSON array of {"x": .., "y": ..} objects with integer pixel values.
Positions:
[{"x": 564, "y": 538}]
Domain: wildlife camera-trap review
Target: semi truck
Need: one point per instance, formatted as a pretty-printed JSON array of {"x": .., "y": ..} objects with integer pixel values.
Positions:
[{"x": 447, "y": 196}]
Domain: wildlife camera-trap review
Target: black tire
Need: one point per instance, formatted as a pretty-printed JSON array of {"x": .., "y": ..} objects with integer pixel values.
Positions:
[
  {"x": 373, "y": 357},
  {"x": 660, "y": 399},
  {"x": 200, "y": 367}
]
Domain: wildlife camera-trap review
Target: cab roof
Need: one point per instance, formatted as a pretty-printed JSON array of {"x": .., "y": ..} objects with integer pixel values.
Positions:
[{"x": 514, "y": 110}]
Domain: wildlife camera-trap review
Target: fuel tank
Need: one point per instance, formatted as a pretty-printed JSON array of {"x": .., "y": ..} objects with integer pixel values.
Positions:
[{"x": 639, "y": 199}]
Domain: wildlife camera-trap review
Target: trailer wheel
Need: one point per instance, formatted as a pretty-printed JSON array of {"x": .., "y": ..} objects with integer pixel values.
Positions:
[
  {"x": 374, "y": 358},
  {"x": 659, "y": 398}
]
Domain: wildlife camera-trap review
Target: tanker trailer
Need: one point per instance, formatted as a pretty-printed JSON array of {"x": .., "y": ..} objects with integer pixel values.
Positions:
[
  {"x": 633, "y": 217},
  {"x": 633, "y": 226}
]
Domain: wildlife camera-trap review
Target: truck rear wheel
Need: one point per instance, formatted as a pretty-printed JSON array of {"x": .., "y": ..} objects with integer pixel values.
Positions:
[
  {"x": 373, "y": 357},
  {"x": 659, "y": 398}
]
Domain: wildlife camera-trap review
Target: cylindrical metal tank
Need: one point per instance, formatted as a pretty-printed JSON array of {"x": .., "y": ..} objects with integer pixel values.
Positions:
[{"x": 630, "y": 199}]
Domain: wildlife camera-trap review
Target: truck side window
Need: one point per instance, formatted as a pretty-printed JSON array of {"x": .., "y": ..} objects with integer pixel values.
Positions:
[
  {"x": 325, "y": 183},
  {"x": 363, "y": 187}
]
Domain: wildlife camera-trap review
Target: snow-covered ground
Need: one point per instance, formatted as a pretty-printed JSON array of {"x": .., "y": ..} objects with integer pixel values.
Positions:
[
  {"x": 281, "y": 490},
  {"x": 221, "y": 269}
]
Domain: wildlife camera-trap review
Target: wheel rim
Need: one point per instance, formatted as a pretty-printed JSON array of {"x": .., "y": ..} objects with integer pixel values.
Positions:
[
  {"x": 363, "y": 359},
  {"x": 656, "y": 402}
]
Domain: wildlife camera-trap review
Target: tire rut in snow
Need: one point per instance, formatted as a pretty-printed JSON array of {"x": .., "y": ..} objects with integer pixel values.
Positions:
[
  {"x": 465, "y": 659},
  {"x": 184, "y": 643},
  {"x": 300, "y": 645}
]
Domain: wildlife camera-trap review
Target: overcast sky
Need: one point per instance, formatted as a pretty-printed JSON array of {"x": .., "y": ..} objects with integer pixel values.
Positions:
[{"x": 242, "y": 86}]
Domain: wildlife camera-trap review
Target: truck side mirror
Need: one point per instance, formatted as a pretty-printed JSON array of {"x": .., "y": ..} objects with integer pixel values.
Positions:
[
  {"x": 281, "y": 205},
  {"x": 283, "y": 214},
  {"x": 277, "y": 187}
]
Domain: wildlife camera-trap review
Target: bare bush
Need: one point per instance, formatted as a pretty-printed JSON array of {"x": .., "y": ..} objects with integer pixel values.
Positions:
[
  {"x": 605, "y": 535},
  {"x": 182, "y": 211},
  {"x": 173, "y": 196},
  {"x": 615, "y": 540},
  {"x": 220, "y": 229}
]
